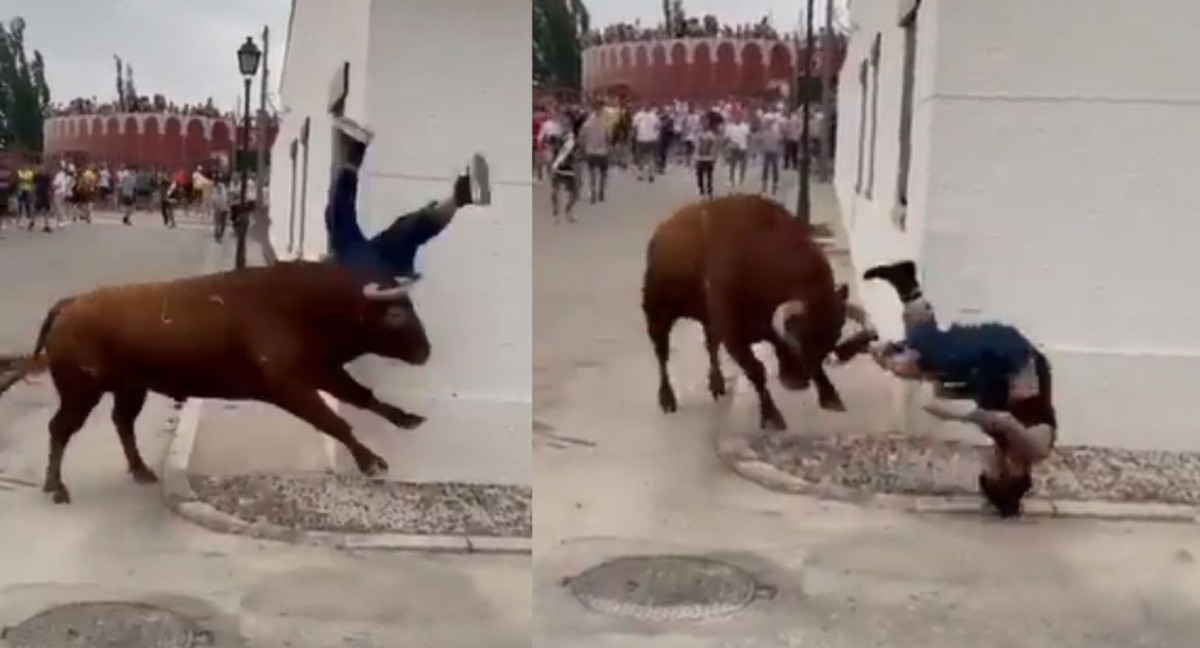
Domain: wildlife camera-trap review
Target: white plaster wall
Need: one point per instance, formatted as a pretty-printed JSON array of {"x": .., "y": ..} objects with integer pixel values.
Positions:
[
  {"x": 437, "y": 82},
  {"x": 874, "y": 235},
  {"x": 1057, "y": 192},
  {"x": 443, "y": 87},
  {"x": 436, "y": 100},
  {"x": 322, "y": 36}
]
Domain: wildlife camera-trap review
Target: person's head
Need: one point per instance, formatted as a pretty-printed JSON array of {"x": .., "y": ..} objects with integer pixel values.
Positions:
[{"x": 1005, "y": 493}]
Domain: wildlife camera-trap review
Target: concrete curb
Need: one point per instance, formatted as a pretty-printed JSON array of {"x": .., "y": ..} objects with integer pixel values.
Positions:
[
  {"x": 183, "y": 501},
  {"x": 734, "y": 452}
]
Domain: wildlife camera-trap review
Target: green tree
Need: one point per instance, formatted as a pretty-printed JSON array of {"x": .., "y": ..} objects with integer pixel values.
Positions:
[
  {"x": 24, "y": 95},
  {"x": 558, "y": 30}
]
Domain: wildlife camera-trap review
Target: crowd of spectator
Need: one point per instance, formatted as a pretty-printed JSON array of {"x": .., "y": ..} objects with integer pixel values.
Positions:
[
  {"x": 157, "y": 104},
  {"x": 705, "y": 27}
]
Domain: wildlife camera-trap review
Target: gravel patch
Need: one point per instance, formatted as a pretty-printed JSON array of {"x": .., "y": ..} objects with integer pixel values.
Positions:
[
  {"x": 354, "y": 504},
  {"x": 914, "y": 466}
]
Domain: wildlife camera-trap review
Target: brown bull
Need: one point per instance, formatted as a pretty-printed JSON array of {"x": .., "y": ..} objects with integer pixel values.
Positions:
[
  {"x": 277, "y": 334},
  {"x": 749, "y": 272}
]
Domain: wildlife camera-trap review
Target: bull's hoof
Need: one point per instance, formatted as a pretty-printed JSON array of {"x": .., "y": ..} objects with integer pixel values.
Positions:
[
  {"x": 407, "y": 420},
  {"x": 773, "y": 421},
  {"x": 61, "y": 495},
  {"x": 832, "y": 404},
  {"x": 373, "y": 466},
  {"x": 144, "y": 475},
  {"x": 716, "y": 385},
  {"x": 666, "y": 399}
]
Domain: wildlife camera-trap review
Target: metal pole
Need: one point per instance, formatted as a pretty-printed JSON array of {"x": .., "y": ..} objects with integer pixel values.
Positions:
[
  {"x": 803, "y": 206},
  {"x": 241, "y": 216},
  {"x": 262, "y": 221},
  {"x": 828, "y": 47}
]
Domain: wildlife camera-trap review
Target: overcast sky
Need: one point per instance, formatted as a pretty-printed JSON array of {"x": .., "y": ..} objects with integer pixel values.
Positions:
[
  {"x": 182, "y": 49},
  {"x": 185, "y": 49},
  {"x": 785, "y": 14}
]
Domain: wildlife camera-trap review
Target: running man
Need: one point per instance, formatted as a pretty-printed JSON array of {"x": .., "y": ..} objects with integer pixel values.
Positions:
[
  {"x": 564, "y": 172},
  {"x": 391, "y": 253},
  {"x": 1008, "y": 380}
]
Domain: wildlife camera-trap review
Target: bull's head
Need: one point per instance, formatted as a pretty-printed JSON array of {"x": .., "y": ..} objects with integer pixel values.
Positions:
[
  {"x": 393, "y": 329},
  {"x": 812, "y": 334}
]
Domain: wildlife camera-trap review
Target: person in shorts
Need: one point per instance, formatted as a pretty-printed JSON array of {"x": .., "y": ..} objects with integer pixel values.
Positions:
[
  {"x": 171, "y": 196},
  {"x": 705, "y": 156},
  {"x": 1006, "y": 377},
  {"x": 221, "y": 202},
  {"x": 127, "y": 181},
  {"x": 596, "y": 146},
  {"x": 646, "y": 128}
]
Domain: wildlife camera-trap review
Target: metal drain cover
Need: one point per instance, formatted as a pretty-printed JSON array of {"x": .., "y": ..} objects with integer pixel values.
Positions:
[
  {"x": 666, "y": 588},
  {"x": 106, "y": 625}
]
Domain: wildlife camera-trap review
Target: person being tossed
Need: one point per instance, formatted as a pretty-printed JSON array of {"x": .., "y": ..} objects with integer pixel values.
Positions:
[
  {"x": 391, "y": 254},
  {"x": 1005, "y": 375}
]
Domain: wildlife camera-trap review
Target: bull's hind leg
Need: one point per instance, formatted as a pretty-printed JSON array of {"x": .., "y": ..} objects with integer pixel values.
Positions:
[
  {"x": 127, "y": 405},
  {"x": 716, "y": 381},
  {"x": 308, "y": 405},
  {"x": 659, "y": 329},
  {"x": 73, "y": 410}
]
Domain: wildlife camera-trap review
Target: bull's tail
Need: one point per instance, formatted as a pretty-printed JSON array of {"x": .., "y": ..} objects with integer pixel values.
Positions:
[{"x": 37, "y": 362}]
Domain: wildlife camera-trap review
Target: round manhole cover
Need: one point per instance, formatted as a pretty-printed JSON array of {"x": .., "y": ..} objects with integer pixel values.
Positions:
[
  {"x": 666, "y": 588},
  {"x": 106, "y": 625}
]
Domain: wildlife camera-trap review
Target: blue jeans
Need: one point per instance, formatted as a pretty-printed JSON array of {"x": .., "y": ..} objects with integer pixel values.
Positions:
[{"x": 392, "y": 252}]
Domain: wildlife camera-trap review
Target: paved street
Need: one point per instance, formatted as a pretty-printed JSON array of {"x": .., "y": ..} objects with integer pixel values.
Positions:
[
  {"x": 615, "y": 477},
  {"x": 118, "y": 542}
]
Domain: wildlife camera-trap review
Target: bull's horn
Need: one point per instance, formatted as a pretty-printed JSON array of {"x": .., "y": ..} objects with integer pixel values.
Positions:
[
  {"x": 779, "y": 319},
  {"x": 858, "y": 314},
  {"x": 375, "y": 292}
]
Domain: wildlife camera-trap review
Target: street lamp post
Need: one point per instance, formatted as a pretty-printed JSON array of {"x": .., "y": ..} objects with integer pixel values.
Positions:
[
  {"x": 248, "y": 56},
  {"x": 803, "y": 201}
]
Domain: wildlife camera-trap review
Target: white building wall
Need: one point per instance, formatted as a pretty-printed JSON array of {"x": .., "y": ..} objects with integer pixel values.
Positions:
[
  {"x": 321, "y": 37},
  {"x": 1054, "y": 153},
  {"x": 436, "y": 88}
]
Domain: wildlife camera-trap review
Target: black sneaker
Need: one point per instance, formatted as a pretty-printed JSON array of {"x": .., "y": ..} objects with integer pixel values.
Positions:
[
  {"x": 481, "y": 187},
  {"x": 473, "y": 187},
  {"x": 901, "y": 275}
]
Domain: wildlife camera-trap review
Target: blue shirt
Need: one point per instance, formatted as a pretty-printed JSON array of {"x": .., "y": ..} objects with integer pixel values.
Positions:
[{"x": 982, "y": 356}]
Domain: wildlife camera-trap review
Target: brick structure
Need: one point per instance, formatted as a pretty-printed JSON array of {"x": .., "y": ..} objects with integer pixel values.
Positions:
[
  {"x": 143, "y": 139},
  {"x": 697, "y": 68}
]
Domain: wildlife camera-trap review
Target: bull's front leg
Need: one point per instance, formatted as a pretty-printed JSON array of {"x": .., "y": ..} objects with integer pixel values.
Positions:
[
  {"x": 308, "y": 405},
  {"x": 770, "y": 418},
  {"x": 341, "y": 385},
  {"x": 827, "y": 395}
]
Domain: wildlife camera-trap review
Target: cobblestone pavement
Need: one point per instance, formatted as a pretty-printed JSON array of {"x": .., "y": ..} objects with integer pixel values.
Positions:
[
  {"x": 615, "y": 477},
  {"x": 117, "y": 542}
]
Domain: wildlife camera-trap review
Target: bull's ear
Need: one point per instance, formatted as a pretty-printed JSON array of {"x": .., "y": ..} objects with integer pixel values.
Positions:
[{"x": 843, "y": 291}]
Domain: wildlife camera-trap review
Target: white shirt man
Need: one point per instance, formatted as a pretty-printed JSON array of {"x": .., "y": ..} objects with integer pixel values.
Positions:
[
  {"x": 63, "y": 184},
  {"x": 646, "y": 125},
  {"x": 738, "y": 135},
  {"x": 552, "y": 127}
]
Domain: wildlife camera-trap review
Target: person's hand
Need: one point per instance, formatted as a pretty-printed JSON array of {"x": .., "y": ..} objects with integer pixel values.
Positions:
[{"x": 948, "y": 410}]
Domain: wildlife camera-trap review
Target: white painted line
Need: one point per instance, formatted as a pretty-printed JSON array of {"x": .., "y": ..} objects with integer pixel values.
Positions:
[
  {"x": 331, "y": 444},
  {"x": 179, "y": 451}
]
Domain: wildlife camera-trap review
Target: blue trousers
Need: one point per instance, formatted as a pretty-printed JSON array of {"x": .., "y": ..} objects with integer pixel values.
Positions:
[{"x": 392, "y": 252}]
